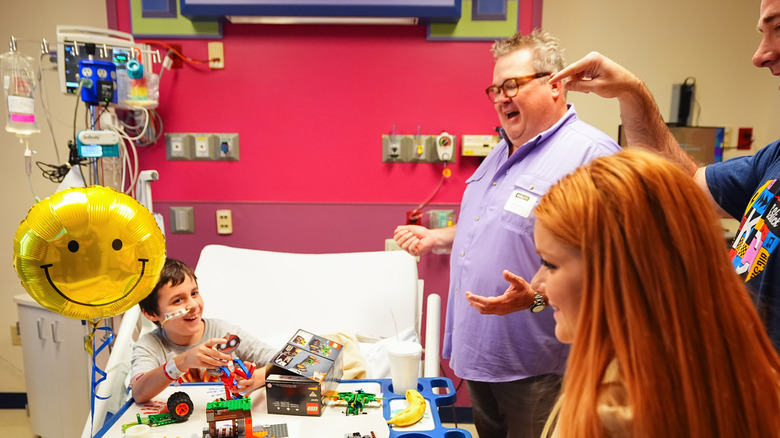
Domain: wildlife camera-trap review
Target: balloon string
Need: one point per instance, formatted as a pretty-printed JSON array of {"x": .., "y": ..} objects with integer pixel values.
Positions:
[{"x": 95, "y": 368}]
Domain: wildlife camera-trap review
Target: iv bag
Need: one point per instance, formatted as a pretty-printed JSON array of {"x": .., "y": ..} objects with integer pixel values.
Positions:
[{"x": 19, "y": 85}]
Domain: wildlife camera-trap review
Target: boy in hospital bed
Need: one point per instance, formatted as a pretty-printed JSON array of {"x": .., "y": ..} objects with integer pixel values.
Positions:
[{"x": 182, "y": 347}]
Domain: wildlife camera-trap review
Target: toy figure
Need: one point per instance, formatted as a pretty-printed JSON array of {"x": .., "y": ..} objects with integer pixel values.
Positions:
[
  {"x": 235, "y": 368},
  {"x": 355, "y": 400},
  {"x": 179, "y": 409}
]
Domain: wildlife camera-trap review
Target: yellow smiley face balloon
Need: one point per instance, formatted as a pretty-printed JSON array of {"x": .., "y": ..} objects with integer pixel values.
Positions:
[{"x": 89, "y": 252}]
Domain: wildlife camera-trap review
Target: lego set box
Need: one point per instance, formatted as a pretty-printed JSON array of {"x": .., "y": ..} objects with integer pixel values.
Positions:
[{"x": 307, "y": 368}]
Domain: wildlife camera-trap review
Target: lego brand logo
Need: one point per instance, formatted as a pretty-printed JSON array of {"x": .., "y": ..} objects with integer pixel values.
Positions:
[{"x": 312, "y": 409}]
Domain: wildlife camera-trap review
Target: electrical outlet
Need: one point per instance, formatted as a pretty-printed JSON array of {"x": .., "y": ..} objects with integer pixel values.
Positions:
[
  {"x": 216, "y": 55},
  {"x": 392, "y": 245},
  {"x": 727, "y": 133},
  {"x": 224, "y": 222}
]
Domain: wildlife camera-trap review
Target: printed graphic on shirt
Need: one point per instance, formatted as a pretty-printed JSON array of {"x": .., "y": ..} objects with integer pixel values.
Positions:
[{"x": 758, "y": 233}]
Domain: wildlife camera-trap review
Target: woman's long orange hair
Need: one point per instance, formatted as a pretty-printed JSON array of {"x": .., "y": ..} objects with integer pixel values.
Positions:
[{"x": 660, "y": 297}]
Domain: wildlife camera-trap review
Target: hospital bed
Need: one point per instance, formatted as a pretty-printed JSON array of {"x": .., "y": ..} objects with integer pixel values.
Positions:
[{"x": 366, "y": 299}]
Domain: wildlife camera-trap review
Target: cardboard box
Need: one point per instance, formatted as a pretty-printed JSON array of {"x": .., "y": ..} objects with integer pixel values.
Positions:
[{"x": 306, "y": 369}]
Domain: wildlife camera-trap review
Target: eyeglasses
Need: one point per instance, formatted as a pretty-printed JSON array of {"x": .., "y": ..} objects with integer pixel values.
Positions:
[{"x": 511, "y": 86}]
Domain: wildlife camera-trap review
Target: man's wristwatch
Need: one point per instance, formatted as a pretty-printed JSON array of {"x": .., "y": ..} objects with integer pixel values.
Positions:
[{"x": 538, "y": 305}]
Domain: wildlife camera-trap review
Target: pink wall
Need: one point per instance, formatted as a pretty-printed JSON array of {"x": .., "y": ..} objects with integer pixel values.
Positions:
[{"x": 310, "y": 104}]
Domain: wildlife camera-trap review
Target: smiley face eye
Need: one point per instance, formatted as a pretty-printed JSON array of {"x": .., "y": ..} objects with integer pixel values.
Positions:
[
  {"x": 116, "y": 244},
  {"x": 73, "y": 246}
]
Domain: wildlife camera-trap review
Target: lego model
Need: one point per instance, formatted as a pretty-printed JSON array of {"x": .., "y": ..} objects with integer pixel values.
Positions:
[
  {"x": 239, "y": 413},
  {"x": 179, "y": 407},
  {"x": 235, "y": 411},
  {"x": 235, "y": 368},
  {"x": 228, "y": 376},
  {"x": 356, "y": 400}
]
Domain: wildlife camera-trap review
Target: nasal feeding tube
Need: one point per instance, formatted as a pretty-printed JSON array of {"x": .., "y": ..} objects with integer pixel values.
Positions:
[{"x": 173, "y": 315}]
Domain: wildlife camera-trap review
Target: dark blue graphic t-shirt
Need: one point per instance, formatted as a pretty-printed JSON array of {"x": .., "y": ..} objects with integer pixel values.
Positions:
[{"x": 748, "y": 189}]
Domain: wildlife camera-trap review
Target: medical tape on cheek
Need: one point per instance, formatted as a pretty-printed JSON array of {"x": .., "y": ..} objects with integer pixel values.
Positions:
[{"x": 175, "y": 314}]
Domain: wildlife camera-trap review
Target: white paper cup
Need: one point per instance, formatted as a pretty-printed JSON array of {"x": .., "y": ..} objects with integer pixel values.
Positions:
[
  {"x": 404, "y": 365},
  {"x": 139, "y": 431}
]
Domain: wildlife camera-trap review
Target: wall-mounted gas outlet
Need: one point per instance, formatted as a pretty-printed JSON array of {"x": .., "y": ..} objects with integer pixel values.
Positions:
[
  {"x": 445, "y": 146},
  {"x": 204, "y": 146},
  {"x": 224, "y": 222},
  {"x": 218, "y": 146},
  {"x": 391, "y": 148},
  {"x": 178, "y": 146},
  {"x": 418, "y": 148}
]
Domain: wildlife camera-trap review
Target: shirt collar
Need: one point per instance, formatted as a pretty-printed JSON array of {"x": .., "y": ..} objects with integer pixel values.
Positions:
[{"x": 569, "y": 117}]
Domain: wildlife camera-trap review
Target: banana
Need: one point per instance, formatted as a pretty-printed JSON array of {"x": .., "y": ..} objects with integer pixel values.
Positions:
[{"x": 413, "y": 413}]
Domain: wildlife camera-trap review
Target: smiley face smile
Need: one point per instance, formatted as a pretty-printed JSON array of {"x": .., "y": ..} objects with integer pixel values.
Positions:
[{"x": 56, "y": 289}]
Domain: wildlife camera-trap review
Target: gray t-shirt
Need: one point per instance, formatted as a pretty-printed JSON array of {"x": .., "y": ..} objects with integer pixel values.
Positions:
[{"x": 154, "y": 349}]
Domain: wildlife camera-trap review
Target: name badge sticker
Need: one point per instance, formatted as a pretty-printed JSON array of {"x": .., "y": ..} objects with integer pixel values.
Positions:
[{"x": 521, "y": 203}]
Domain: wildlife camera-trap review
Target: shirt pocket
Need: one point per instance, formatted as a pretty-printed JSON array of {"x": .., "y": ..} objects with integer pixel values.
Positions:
[
  {"x": 517, "y": 212},
  {"x": 477, "y": 175}
]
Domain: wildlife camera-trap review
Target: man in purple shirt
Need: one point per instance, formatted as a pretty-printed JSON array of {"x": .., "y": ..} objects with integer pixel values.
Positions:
[{"x": 512, "y": 363}]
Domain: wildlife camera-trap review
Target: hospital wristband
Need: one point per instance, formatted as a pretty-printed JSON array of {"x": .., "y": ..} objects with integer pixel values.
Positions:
[{"x": 171, "y": 371}]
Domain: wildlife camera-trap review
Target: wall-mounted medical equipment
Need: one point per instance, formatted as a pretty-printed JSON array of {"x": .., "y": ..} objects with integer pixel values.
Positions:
[
  {"x": 136, "y": 80},
  {"x": 135, "y": 83},
  {"x": 98, "y": 81},
  {"x": 96, "y": 144},
  {"x": 418, "y": 148},
  {"x": 112, "y": 46}
]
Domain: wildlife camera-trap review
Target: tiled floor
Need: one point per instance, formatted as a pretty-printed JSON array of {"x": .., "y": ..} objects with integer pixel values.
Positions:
[{"x": 15, "y": 423}]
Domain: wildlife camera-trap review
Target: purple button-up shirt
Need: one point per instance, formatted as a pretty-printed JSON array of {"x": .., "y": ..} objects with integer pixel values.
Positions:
[{"x": 495, "y": 232}]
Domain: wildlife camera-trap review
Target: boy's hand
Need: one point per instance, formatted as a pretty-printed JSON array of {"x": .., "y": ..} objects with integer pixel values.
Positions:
[
  {"x": 203, "y": 356},
  {"x": 257, "y": 381}
]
